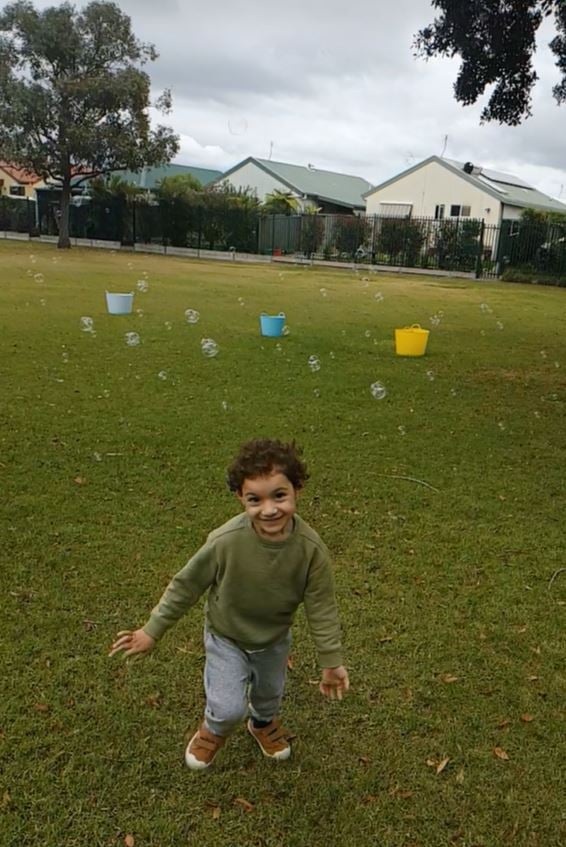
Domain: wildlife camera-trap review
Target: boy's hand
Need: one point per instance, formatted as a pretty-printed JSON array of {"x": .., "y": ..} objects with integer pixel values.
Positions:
[
  {"x": 132, "y": 643},
  {"x": 335, "y": 682}
]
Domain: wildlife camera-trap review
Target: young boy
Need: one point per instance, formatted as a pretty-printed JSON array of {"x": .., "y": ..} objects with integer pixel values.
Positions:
[{"x": 258, "y": 568}]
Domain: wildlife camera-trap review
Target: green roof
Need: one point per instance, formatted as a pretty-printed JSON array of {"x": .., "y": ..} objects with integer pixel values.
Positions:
[
  {"x": 151, "y": 177},
  {"x": 342, "y": 189}
]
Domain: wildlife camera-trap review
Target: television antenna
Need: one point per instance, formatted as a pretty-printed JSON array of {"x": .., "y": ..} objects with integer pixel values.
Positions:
[{"x": 444, "y": 146}]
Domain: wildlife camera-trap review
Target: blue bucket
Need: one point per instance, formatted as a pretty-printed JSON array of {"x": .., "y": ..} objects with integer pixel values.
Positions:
[
  {"x": 119, "y": 304},
  {"x": 272, "y": 325}
]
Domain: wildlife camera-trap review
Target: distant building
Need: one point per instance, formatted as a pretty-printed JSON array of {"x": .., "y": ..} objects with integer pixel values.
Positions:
[
  {"x": 17, "y": 182},
  {"x": 443, "y": 188},
  {"x": 149, "y": 178},
  {"x": 328, "y": 191}
]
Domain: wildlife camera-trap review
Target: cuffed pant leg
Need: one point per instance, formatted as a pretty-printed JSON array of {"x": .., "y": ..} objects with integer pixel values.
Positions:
[
  {"x": 268, "y": 674},
  {"x": 226, "y": 679}
]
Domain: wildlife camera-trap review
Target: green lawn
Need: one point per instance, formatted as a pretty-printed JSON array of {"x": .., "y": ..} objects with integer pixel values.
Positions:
[{"x": 112, "y": 477}]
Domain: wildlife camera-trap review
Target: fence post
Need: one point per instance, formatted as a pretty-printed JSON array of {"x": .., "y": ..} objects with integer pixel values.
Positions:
[
  {"x": 134, "y": 222},
  {"x": 479, "y": 255},
  {"x": 199, "y": 239},
  {"x": 272, "y": 234}
]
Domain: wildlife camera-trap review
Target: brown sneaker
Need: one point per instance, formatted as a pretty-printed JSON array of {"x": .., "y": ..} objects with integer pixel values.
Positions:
[
  {"x": 272, "y": 740},
  {"x": 202, "y": 748}
]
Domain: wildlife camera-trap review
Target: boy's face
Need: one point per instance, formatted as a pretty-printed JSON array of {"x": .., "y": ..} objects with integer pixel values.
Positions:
[{"x": 270, "y": 501}]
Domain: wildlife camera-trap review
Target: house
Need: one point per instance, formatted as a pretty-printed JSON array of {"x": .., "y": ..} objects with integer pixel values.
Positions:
[
  {"x": 149, "y": 178},
  {"x": 17, "y": 182},
  {"x": 331, "y": 192},
  {"x": 443, "y": 188}
]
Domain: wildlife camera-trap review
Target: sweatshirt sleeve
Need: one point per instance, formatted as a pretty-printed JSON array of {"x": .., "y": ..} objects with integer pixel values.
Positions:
[
  {"x": 183, "y": 591},
  {"x": 322, "y": 612}
]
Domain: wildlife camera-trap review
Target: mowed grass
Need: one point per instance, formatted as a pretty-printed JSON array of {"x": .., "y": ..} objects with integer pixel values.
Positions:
[{"x": 454, "y": 729}]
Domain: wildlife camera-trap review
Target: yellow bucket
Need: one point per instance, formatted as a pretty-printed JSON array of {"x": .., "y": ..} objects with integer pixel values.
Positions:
[{"x": 411, "y": 340}]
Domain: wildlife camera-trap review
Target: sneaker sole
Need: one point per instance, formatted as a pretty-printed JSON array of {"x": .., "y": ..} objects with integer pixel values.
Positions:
[
  {"x": 279, "y": 757},
  {"x": 191, "y": 761}
]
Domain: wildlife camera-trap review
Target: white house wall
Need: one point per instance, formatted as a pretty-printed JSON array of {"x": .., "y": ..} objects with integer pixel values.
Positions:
[
  {"x": 431, "y": 186},
  {"x": 262, "y": 183}
]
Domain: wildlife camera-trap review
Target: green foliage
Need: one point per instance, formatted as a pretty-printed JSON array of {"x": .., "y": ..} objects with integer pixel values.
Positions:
[
  {"x": 456, "y": 243},
  {"x": 280, "y": 203},
  {"x": 496, "y": 42},
  {"x": 400, "y": 238},
  {"x": 312, "y": 233},
  {"x": 350, "y": 232},
  {"x": 180, "y": 185},
  {"x": 73, "y": 97}
]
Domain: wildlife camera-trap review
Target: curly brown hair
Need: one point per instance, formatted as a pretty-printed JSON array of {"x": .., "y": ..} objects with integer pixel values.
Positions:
[{"x": 261, "y": 456}]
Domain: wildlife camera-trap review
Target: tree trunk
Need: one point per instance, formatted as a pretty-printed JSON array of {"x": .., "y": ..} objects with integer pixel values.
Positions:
[{"x": 64, "y": 240}]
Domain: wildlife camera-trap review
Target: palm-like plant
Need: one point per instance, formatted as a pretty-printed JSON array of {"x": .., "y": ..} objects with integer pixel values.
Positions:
[{"x": 280, "y": 203}]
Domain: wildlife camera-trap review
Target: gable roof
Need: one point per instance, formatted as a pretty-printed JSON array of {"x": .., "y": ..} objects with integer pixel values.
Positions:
[
  {"x": 333, "y": 187},
  {"x": 151, "y": 177},
  {"x": 508, "y": 189},
  {"x": 19, "y": 174}
]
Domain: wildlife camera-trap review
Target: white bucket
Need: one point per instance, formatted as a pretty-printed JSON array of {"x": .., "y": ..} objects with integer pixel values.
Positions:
[{"x": 119, "y": 304}]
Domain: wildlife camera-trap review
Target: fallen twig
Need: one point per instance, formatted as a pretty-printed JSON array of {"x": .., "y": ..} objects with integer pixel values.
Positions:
[
  {"x": 410, "y": 479},
  {"x": 554, "y": 575}
]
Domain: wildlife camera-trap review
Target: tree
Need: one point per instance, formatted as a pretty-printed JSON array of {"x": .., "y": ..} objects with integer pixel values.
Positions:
[
  {"x": 280, "y": 203},
  {"x": 74, "y": 101},
  {"x": 496, "y": 40}
]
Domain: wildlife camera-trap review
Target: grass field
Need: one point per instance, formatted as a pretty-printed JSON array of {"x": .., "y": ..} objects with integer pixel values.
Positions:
[{"x": 454, "y": 730}]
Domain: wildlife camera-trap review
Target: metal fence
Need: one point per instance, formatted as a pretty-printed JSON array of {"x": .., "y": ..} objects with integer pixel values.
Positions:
[{"x": 530, "y": 246}]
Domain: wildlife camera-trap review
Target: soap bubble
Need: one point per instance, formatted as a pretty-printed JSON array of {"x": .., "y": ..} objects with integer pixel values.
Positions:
[
  {"x": 241, "y": 301},
  {"x": 378, "y": 296},
  {"x": 543, "y": 353},
  {"x": 278, "y": 348},
  {"x": 132, "y": 339},
  {"x": 537, "y": 414},
  {"x": 142, "y": 285},
  {"x": 365, "y": 279},
  {"x": 332, "y": 355},
  {"x": 316, "y": 392},
  {"x": 401, "y": 430},
  {"x": 145, "y": 274},
  {"x": 378, "y": 390},
  {"x": 482, "y": 331},
  {"x": 97, "y": 457},
  {"x": 501, "y": 425},
  {"x": 485, "y": 309},
  {"x": 168, "y": 325},
  {"x": 367, "y": 333},
  {"x": 139, "y": 313},
  {"x": 42, "y": 301},
  {"x": 192, "y": 316},
  {"x": 324, "y": 292},
  {"x": 430, "y": 375},
  {"x": 209, "y": 347},
  {"x": 434, "y": 320},
  {"x": 285, "y": 330},
  {"x": 225, "y": 405},
  {"x": 87, "y": 324},
  {"x": 130, "y": 266},
  {"x": 499, "y": 325},
  {"x": 557, "y": 364},
  {"x": 314, "y": 363},
  {"x": 65, "y": 357},
  {"x": 29, "y": 272},
  {"x": 162, "y": 375},
  {"x": 39, "y": 277},
  {"x": 453, "y": 392}
]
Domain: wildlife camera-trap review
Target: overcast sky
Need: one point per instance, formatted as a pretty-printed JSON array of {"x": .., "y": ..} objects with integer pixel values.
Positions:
[{"x": 333, "y": 83}]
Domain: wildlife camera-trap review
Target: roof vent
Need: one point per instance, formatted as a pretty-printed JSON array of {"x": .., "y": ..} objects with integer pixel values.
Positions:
[
  {"x": 470, "y": 168},
  {"x": 310, "y": 166}
]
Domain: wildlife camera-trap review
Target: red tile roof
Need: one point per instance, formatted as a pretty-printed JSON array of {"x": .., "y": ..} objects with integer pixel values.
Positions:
[{"x": 19, "y": 174}]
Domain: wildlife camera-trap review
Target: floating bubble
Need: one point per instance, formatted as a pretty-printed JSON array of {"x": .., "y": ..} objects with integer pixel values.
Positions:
[
  {"x": 501, "y": 425},
  {"x": 482, "y": 331},
  {"x": 485, "y": 309},
  {"x": 454, "y": 392},
  {"x": 132, "y": 339},
  {"x": 543, "y": 354},
  {"x": 209, "y": 347},
  {"x": 87, "y": 324},
  {"x": 556, "y": 364},
  {"x": 168, "y": 325},
  {"x": 365, "y": 279},
  {"x": 241, "y": 301},
  {"x": 332, "y": 355},
  {"x": 145, "y": 274},
  {"x": 375, "y": 342},
  {"x": 324, "y": 292},
  {"x": 378, "y": 297},
  {"x": 130, "y": 266},
  {"x": 237, "y": 126},
  {"x": 97, "y": 457},
  {"x": 42, "y": 301},
  {"x": 139, "y": 313},
  {"x": 225, "y": 405},
  {"x": 65, "y": 357},
  {"x": 162, "y": 375},
  {"x": 378, "y": 390},
  {"x": 314, "y": 363},
  {"x": 401, "y": 430},
  {"x": 440, "y": 313},
  {"x": 285, "y": 330},
  {"x": 142, "y": 285},
  {"x": 434, "y": 320},
  {"x": 29, "y": 272},
  {"x": 367, "y": 333},
  {"x": 278, "y": 348},
  {"x": 39, "y": 277},
  {"x": 192, "y": 316},
  {"x": 316, "y": 392},
  {"x": 430, "y": 375},
  {"x": 499, "y": 325},
  {"x": 537, "y": 414}
]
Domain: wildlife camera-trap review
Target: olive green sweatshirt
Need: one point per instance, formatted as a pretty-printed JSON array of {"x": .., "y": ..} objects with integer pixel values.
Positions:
[{"x": 254, "y": 588}]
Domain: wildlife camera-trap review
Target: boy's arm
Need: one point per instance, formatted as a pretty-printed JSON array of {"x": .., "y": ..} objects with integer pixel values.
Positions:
[
  {"x": 322, "y": 612},
  {"x": 183, "y": 591}
]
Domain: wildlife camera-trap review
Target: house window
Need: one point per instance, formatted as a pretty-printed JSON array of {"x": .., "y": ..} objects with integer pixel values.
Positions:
[
  {"x": 439, "y": 213},
  {"x": 389, "y": 209},
  {"x": 17, "y": 191},
  {"x": 460, "y": 211}
]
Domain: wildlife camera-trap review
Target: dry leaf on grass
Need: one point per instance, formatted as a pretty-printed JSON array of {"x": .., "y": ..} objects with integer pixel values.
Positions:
[
  {"x": 503, "y": 724},
  {"x": 448, "y": 677},
  {"x": 41, "y": 707},
  {"x": 500, "y": 753},
  {"x": 290, "y": 663},
  {"x": 80, "y": 480},
  {"x": 441, "y": 765},
  {"x": 129, "y": 841},
  {"x": 526, "y": 718},
  {"x": 363, "y": 760},
  {"x": 154, "y": 700},
  {"x": 245, "y": 804},
  {"x": 460, "y": 776}
]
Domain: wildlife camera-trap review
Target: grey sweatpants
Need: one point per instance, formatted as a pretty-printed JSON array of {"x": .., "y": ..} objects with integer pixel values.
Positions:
[{"x": 235, "y": 680}]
